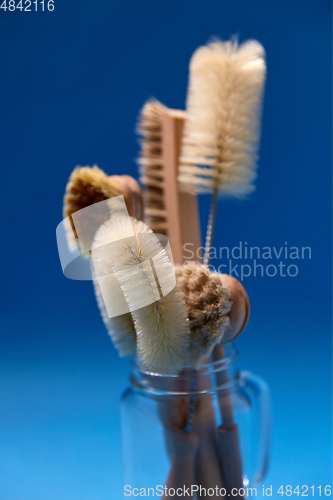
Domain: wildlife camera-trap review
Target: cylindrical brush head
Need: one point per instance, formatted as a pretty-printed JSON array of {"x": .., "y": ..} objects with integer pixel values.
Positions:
[
  {"x": 221, "y": 135},
  {"x": 146, "y": 277}
]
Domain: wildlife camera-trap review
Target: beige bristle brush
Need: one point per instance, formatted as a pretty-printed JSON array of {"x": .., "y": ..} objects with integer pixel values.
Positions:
[
  {"x": 227, "y": 315},
  {"x": 226, "y": 318},
  {"x": 167, "y": 210},
  {"x": 222, "y": 129},
  {"x": 220, "y": 143},
  {"x": 87, "y": 186},
  {"x": 208, "y": 305},
  {"x": 146, "y": 276}
]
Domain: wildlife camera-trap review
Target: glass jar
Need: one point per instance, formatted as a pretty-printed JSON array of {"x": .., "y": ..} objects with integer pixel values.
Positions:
[{"x": 199, "y": 434}]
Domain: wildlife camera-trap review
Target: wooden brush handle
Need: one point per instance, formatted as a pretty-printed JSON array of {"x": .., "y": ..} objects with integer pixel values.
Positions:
[
  {"x": 181, "y": 446},
  {"x": 182, "y": 209},
  {"x": 131, "y": 192},
  {"x": 207, "y": 467},
  {"x": 184, "y": 447},
  {"x": 227, "y": 433},
  {"x": 173, "y": 414},
  {"x": 240, "y": 310},
  {"x": 230, "y": 458}
]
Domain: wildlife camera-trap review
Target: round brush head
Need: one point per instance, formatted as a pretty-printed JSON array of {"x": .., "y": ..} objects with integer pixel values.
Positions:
[
  {"x": 90, "y": 185},
  {"x": 86, "y": 186},
  {"x": 208, "y": 304}
]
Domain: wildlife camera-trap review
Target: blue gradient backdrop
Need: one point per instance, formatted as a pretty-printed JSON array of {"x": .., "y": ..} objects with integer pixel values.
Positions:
[{"x": 72, "y": 83}]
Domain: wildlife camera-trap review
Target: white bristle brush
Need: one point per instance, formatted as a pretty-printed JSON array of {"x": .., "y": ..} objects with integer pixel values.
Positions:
[
  {"x": 145, "y": 274},
  {"x": 221, "y": 136}
]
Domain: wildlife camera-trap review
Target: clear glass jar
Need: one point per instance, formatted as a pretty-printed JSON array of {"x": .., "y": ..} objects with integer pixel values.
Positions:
[{"x": 209, "y": 429}]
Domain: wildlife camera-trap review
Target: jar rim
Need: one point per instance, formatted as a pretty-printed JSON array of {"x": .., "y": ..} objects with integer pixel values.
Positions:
[{"x": 163, "y": 384}]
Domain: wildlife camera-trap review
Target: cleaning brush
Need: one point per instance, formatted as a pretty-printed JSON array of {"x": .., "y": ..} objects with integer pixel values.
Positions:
[
  {"x": 146, "y": 276},
  {"x": 220, "y": 140},
  {"x": 167, "y": 211},
  {"x": 208, "y": 303},
  {"x": 219, "y": 153},
  {"x": 151, "y": 165},
  {"x": 88, "y": 186}
]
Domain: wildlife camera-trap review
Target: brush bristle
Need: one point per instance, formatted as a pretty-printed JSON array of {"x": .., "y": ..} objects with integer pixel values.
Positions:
[
  {"x": 150, "y": 163},
  {"x": 120, "y": 328},
  {"x": 144, "y": 272},
  {"x": 208, "y": 303},
  {"x": 220, "y": 141},
  {"x": 86, "y": 186}
]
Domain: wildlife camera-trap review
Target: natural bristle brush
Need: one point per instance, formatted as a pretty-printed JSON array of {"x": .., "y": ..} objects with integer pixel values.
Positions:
[
  {"x": 88, "y": 186},
  {"x": 218, "y": 310},
  {"x": 176, "y": 320},
  {"x": 151, "y": 165},
  {"x": 220, "y": 140},
  {"x": 167, "y": 211},
  {"x": 146, "y": 277},
  {"x": 219, "y": 150},
  {"x": 222, "y": 130},
  {"x": 208, "y": 303}
]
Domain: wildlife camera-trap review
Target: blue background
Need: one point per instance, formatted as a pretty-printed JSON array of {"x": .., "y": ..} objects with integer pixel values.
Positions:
[{"x": 72, "y": 84}]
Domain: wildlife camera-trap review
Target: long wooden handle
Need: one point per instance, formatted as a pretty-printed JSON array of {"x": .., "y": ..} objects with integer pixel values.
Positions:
[
  {"x": 181, "y": 474},
  {"x": 230, "y": 459},
  {"x": 227, "y": 433},
  {"x": 207, "y": 468}
]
